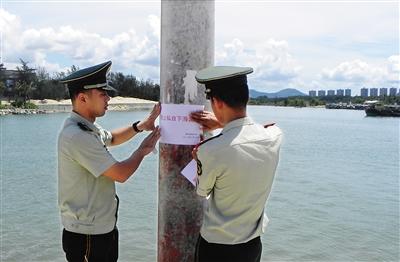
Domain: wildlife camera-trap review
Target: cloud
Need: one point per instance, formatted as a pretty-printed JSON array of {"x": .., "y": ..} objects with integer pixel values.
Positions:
[
  {"x": 271, "y": 60},
  {"x": 393, "y": 69},
  {"x": 358, "y": 71},
  {"x": 128, "y": 50},
  {"x": 282, "y": 54},
  {"x": 9, "y": 24}
]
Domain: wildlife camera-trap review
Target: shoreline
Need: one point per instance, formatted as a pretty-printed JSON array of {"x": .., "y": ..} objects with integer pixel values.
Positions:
[{"x": 47, "y": 106}]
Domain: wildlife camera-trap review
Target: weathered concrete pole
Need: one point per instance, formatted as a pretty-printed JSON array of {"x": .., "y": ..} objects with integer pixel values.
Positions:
[{"x": 187, "y": 45}]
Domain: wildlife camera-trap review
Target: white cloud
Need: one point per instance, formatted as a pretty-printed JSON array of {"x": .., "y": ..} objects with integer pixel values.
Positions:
[
  {"x": 155, "y": 25},
  {"x": 287, "y": 44},
  {"x": 9, "y": 24},
  {"x": 393, "y": 69},
  {"x": 273, "y": 64},
  {"x": 358, "y": 71},
  {"x": 128, "y": 50}
]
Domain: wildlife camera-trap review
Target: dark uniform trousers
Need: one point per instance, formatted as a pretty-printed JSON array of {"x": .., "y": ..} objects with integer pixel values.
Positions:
[
  {"x": 90, "y": 248},
  {"x": 212, "y": 252}
]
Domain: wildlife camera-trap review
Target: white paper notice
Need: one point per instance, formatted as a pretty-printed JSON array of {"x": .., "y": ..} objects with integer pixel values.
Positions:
[
  {"x": 176, "y": 126},
  {"x": 190, "y": 172}
]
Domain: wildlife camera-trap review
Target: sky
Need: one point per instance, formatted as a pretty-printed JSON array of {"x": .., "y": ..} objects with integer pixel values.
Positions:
[{"x": 307, "y": 45}]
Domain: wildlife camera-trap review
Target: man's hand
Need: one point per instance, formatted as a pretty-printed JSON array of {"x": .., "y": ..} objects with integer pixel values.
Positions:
[
  {"x": 148, "y": 123},
  {"x": 148, "y": 144},
  {"x": 206, "y": 119}
]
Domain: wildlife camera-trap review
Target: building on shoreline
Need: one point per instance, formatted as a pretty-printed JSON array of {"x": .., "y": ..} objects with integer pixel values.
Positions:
[
  {"x": 373, "y": 92},
  {"x": 11, "y": 77},
  {"x": 340, "y": 92},
  {"x": 331, "y": 92},
  {"x": 383, "y": 91},
  {"x": 364, "y": 92}
]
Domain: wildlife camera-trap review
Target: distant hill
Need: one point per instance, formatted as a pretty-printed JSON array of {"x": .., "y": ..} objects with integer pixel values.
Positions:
[{"x": 280, "y": 94}]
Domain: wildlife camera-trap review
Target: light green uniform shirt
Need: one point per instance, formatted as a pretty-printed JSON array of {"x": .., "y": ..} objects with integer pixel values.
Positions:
[
  {"x": 238, "y": 168},
  {"x": 86, "y": 198}
]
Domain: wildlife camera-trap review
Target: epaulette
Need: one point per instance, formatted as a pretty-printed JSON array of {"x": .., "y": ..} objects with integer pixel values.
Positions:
[
  {"x": 268, "y": 125},
  {"x": 84, "y": 127},
  {"x": 209, "y": 139}
]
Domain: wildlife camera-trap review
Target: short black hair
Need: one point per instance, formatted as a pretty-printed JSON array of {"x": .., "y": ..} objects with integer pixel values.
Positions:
[
  {"x": 232, "y": 91},
  {"x": 74, "y": 92}
]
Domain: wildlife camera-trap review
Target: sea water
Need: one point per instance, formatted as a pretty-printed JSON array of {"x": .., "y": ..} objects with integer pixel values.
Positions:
[{"x": 335, "y": 197}]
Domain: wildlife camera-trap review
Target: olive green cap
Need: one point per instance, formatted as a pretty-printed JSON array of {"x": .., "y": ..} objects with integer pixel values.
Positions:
[
  {"x": 223, "y": 78},
  {"x": 221, "y": 72},
  {"x": 94, "y": 77}
]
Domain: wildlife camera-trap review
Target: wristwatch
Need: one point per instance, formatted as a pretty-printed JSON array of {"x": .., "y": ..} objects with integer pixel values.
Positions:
[{"x": 134, "y": 126}]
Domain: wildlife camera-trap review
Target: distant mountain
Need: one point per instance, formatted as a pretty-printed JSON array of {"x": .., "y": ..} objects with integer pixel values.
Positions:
[{"x": 280, "y": 94}]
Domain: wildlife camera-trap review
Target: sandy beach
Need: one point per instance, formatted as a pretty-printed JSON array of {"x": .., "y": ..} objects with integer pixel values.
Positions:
[{"x": 117, "y": 103}]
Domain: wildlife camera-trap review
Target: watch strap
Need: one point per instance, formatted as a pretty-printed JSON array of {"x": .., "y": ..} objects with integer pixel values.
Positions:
[{"x": 134, "y": 126}]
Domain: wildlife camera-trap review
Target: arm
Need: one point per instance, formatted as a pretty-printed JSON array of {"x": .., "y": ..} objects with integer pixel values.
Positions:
[
  {"x": 206, "y": 119},
  {"x": 123, "y": 134},
  {"x": 121, "y": 171}
]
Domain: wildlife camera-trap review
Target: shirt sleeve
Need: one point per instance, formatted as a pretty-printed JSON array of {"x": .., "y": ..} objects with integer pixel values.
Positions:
[
  {"x": 209, "y": 174},
  {"x": 88, "y": 150}
]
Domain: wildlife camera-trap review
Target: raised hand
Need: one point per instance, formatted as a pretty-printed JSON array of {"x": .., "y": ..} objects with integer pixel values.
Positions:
[
  {"x": 150, "y": 141},
  {"x": 206, "y": 119},
  {"x": 148, "y": 123}
]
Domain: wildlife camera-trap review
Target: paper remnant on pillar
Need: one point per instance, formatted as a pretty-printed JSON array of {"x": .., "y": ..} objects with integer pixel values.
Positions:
[{"x": 190, "y": 172}]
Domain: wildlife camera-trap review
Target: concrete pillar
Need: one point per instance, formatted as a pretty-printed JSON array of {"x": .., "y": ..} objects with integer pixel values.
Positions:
[{"x": 187, "y": 45}]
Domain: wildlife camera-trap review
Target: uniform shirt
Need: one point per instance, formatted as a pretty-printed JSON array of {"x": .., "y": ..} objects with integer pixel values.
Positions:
[
  {"x": 86, "y": 198},
  {"x": 238, "y": 169}
]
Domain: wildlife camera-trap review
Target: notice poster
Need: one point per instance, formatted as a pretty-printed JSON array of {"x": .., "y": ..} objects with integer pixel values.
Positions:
[{"x": 176, "y": 126}]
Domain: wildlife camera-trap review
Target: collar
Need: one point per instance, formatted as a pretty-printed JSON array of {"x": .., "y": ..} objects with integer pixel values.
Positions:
[
  {"x": 79, "y": 119},
  {"x": 237, "y": 123}
]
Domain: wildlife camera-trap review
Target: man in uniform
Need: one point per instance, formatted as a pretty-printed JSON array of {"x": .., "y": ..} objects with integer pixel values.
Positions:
[
  {"x": 87, "y": 172},
  {"x": 235, "y": 169}
]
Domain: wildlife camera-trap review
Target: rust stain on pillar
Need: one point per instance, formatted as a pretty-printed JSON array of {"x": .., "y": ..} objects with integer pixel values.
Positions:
[{"x": 187, "y": 45}]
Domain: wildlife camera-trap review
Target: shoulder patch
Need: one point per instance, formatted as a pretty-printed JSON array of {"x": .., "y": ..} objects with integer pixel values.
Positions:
[
  {"x": 84, "y": 127},
  {"x": 199, "y": 167}
]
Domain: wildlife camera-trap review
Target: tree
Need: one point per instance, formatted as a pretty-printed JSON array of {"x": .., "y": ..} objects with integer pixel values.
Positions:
[
  {"x": 25, "y": 83},
  {"x": 2, "y": 80},
  {"x": 2, "y": 88}
]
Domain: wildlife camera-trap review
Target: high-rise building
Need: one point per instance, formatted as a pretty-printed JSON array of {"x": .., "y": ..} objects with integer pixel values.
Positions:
[
  {"x": 312, "y": 93},
  {"x": 347, "y": 92},
  {"x": 340, "y": 92},
  {"x": 331, "y": 92},
  {"x": 373, "y": 92},
  {"x": 383, "y": 91},
  {"x": 364, "y": 92},
  {"x": 321, "y": 93},
  {"x": 392, "y": 91}
]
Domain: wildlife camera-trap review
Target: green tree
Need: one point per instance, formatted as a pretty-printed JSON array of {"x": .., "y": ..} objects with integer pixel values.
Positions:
[
  {"x": 25, "y": 83},
  {"x": 2, "y": 80},
  {"x": 73, "y": 69},
  {"x": 2, "y": 88}
]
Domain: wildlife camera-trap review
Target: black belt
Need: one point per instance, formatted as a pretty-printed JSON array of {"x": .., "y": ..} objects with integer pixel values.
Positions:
[{"x": 116, "y": 211}]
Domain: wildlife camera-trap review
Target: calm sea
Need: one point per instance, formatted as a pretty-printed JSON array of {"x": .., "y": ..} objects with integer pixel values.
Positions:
[{"x": 335, "y": 197}]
